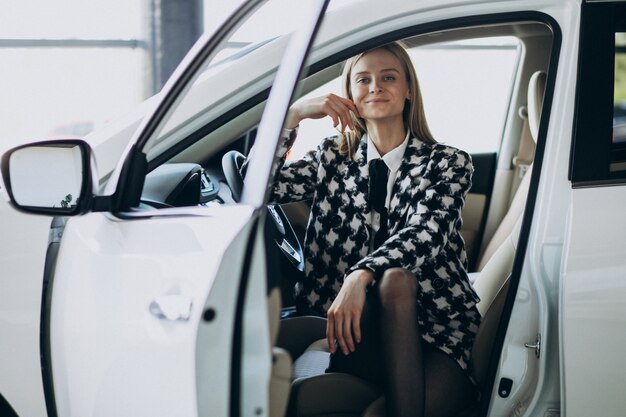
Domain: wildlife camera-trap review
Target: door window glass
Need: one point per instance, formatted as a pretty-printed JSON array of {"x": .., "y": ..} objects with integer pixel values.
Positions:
[
  {"x": 619, "y": 101},
  {"x": 618, "y": 163}
]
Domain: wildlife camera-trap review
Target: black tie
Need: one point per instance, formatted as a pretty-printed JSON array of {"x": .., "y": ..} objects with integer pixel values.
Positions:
[{"x": 378, "y": 194}]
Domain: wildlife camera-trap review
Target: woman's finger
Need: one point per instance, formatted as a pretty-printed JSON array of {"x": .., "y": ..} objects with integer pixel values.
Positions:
[
  {"x": 330, "y": 332},
  {"x": 350, "y": 104},
  {"x": 356, "y": 328},
  {"x": 347, "y": 331},
  {"x": 343, "y": 110},
  {"x": 351, "y": 111},
  {"x": 340, "y": 111},
  {"x": 345, "y": 107},
  {"x": 339, "y": 333}
]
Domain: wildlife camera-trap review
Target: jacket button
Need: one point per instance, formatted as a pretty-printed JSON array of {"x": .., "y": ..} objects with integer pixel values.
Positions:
[
  {"x": 335, "y": 220},
  {"x": 361, "y": 237},
  {"x": 438, "y": 284}
]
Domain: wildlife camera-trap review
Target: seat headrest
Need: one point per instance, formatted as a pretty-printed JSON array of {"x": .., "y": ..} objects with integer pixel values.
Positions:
[{"x": 536, "y": 91}]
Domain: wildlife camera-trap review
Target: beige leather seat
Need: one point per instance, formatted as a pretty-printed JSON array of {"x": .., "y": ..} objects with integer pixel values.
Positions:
[
  {"x": 315, "y": 393},
  {"x": 280, "y": 381},
  {"x": 536, "y": 90}
]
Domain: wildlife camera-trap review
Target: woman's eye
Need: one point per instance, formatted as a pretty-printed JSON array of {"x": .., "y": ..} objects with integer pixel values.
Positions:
[
  {"x": 389, "y": 78},
  {"x": 362, "y": 80}
]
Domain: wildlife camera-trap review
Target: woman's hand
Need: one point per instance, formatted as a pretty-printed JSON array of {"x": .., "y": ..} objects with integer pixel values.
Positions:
[
  {"x": 344, "y": 315},
  {"x": 331, "y": 105}
]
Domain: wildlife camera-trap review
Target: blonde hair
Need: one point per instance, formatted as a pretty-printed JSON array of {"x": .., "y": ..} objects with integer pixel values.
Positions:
[{"x": 413, "y": 113}]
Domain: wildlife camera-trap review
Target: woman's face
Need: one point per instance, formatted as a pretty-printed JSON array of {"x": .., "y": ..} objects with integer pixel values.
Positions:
[{"x": 378, "y": 86}]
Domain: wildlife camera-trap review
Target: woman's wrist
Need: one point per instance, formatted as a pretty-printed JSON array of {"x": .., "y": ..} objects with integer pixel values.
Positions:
[
  {"x": 364, "y": 277},
  {"x": 293, "y": 120}
]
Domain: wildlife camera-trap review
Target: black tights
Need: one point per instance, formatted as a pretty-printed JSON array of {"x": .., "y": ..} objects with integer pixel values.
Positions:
[{"x": 418, "y": 380}]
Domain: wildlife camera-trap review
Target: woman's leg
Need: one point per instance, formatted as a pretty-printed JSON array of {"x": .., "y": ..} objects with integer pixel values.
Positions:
[
  {"x": 448, "y": 391},
  {"x": 401, "y": 344},
  {"x": 419, "y": 380}
]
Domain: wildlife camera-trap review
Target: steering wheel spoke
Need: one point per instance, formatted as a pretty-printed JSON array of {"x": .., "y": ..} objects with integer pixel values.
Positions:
[{"x": 282, "y": 231}]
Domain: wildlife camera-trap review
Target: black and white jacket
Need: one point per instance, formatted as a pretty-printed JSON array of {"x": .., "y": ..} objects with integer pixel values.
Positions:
[{"x": 423, "y": 223}]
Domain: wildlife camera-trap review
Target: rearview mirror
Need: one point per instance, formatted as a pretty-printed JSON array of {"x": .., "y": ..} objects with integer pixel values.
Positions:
[{"x": 52, "y": 177}]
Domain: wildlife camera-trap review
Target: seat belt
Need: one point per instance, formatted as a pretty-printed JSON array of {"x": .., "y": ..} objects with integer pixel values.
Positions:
[{"x": 525, "y": 154}]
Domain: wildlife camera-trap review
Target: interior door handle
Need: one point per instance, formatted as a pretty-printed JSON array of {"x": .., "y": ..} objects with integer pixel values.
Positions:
[{"x": 173, "y": 307}]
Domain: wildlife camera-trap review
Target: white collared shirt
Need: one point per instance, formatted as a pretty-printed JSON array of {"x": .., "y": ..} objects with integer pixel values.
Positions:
[{"x": 393, "y": 160}]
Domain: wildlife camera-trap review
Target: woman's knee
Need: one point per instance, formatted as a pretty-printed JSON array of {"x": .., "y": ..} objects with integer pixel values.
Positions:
[{"x": 397, "y": 285}]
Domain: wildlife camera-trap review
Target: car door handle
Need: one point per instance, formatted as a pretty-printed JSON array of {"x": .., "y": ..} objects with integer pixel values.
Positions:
[{"x": 173, "y": 307}]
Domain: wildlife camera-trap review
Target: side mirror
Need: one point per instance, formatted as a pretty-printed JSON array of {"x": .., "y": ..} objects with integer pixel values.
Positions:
[{"x": 53, "y": 177}]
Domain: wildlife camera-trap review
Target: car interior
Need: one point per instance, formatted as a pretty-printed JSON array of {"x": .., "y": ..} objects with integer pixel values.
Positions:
[{"x": 205, "y": 174}]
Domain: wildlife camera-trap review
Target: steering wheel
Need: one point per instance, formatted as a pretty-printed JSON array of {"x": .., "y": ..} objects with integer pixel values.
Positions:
[{"x": 280, "y": 228}]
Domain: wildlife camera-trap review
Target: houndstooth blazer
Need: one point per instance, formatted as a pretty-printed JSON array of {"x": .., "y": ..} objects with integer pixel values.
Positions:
[{"x": 423, "y": 223}]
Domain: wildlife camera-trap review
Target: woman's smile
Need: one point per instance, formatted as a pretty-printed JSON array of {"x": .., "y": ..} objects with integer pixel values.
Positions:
[{"x": 377, "y": 101}]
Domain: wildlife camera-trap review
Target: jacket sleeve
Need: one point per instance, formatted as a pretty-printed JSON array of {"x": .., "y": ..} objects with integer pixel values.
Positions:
[
  {"x": 294, "y": 180},
  {"x": 431, "y": 220}
]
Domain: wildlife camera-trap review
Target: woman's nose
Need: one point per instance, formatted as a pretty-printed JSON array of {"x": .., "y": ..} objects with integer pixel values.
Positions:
[{"x": 375, "y": 87}]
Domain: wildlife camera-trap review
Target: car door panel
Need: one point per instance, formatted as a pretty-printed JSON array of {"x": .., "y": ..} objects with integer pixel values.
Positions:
[
  {"x": 593, "y": 309},
  {"x": 106, "y": 338},
  {"x": 22, "y": 251}
]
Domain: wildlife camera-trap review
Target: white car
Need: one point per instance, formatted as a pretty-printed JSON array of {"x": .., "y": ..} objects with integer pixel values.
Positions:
[{"x": 156, "y": 289}]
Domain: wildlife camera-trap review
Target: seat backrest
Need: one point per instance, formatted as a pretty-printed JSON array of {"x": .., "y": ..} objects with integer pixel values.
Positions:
[
  {"x": 536, "y": 90},
  {"x": 282, "y": 369}
]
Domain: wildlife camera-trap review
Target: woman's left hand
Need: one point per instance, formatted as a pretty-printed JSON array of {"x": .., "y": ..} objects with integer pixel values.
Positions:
[{"x": 344, "y": 315}]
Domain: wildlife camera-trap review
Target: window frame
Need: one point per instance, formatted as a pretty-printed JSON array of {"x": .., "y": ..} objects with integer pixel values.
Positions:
[{"x": 593, "y": 149}]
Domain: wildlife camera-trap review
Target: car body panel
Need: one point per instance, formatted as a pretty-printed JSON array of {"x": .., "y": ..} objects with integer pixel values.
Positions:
[
  {"x": 593, "y": 311},
  {"x": 22, "y": 255}
]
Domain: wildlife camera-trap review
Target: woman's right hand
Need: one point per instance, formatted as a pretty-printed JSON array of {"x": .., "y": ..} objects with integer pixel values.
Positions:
[
  {"x": 331, "y": 105},
  {"x": 343, "y": 324}
]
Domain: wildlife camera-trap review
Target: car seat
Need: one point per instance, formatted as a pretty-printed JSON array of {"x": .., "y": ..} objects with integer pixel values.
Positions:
[
  {"x": 315, "y": 393},
  {"x": 536, "y": 91}
]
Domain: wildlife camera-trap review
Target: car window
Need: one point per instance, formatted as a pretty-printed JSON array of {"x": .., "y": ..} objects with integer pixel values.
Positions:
[
  {"x": 220, "y": 95},
  {"x": 618, "y": 162},
  {"x": 466, "y": 87},
  {"x": 225, "y": 79},
  {"x": 619, "y": 101},
  {"x": 599, "y": 152}
]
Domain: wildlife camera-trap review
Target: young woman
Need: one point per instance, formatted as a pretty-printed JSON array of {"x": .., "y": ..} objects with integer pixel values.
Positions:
[{"x": 385, "y": 261}]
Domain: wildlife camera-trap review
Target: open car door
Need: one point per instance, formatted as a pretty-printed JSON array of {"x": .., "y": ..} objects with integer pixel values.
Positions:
[{"x": 161, "y": 311}]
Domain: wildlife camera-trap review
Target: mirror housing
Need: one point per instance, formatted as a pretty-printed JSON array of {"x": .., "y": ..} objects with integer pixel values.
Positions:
[{"x": 51, "y": 177}]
